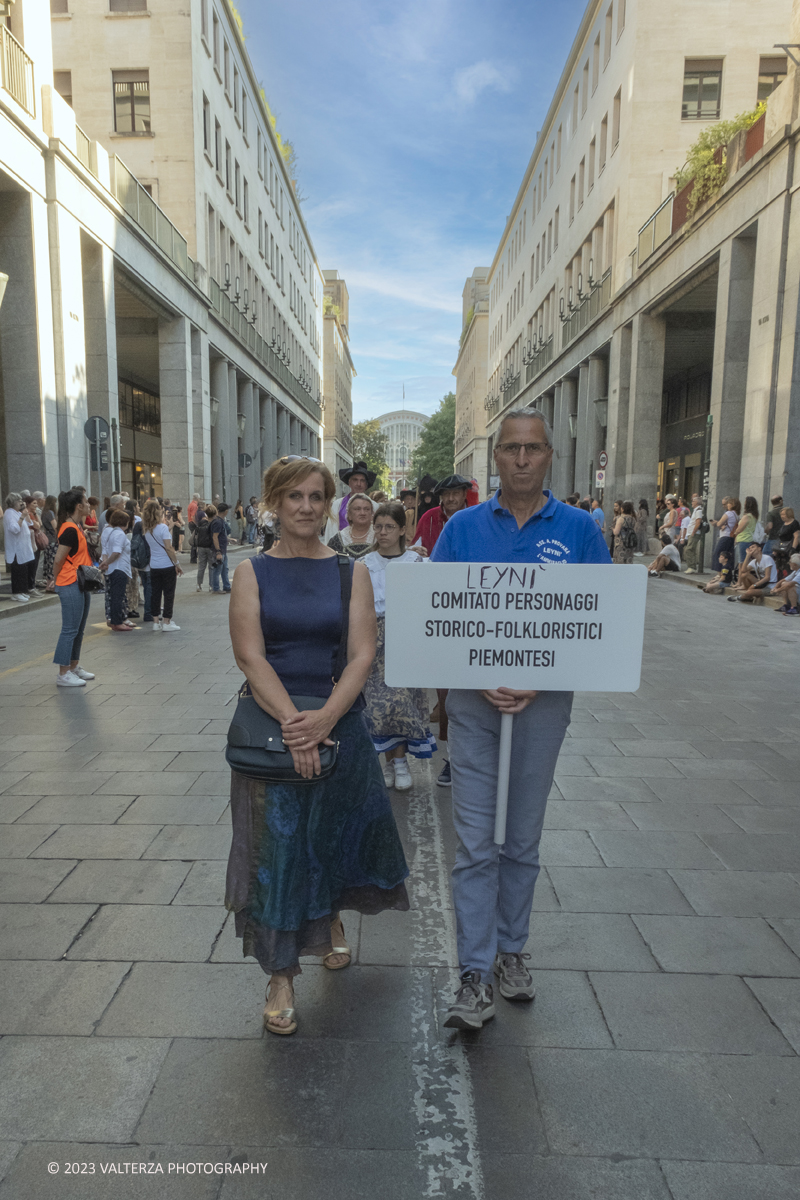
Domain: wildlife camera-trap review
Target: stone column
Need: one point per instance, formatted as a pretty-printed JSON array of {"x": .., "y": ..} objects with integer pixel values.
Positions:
[
  {"x": 201, "y": 412},
  {"x": 29, "y": 444},
  {"x": 175, "y": 387},
  {"x": 597, "y": 390},
  {"x": 557, "y": 473},
  {"x": 219, "y": 432},
  {"x": 758, "y": 433},
  {"x": 294, "y": 437},
  {"x": 282, "y": 427},
  {"x": 250, "y": 443},
  {"x": 644, "y": 418},
  {"x": 584, "y": 441},
  {"x": 66, "y": 273},
  {"x": 619, "y": 386},
  {"x": 231, "y": 483},
  {"x": 569, "y": 407},
  {"x": 100, "y": 332}
]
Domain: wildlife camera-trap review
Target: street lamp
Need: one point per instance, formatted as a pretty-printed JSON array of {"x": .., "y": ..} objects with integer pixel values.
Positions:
[
  {"x": 573, "y": 425},
  {"x": 601, "y": 410},
  {"x": 241, "y": 421},
  {"x": 213, "y": 405}
]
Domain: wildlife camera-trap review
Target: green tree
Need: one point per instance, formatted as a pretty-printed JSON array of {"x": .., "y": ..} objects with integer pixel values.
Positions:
[
  {"x": 370, "y": 446},
  {"x": 435, "y": 452}
]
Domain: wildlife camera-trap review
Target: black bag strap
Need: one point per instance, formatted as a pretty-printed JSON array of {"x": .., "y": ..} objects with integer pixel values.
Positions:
[{"x": 346, "y": 584}]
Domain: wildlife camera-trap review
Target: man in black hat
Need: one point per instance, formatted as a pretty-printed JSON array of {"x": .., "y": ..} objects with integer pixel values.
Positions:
[
  {"x": 360, "y": 478},
  {"x": 452, "y": 496}
]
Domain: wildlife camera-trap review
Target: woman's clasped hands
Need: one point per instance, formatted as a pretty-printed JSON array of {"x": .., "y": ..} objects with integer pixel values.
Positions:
[{"x": 303, "y": 733}]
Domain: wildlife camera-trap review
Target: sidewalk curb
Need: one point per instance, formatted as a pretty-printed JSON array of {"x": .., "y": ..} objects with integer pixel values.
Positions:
[{"x": 704, "y": 577}]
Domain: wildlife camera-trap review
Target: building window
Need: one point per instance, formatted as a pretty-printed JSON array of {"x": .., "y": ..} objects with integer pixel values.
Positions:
[
  {"x": 226, "y": 67},
  {"x": 596, "y": 64},
  {"x": 702, "y": 88},
  {"x": 615, "y": 120},
  {"x": 59, "y": 6},
  {"x": 246, "y": 202},
  {"x": 260, "y": 233},
  {"x": 206, "y": 125},
  {"x": 572, "y": 200},
  {"x": 244, "y": 114},
  {"x": 215, "y": 42},
  {"x": 575, "y": 102},
  {"x": 212, "y": 243},
  {"x": 585, "y": 87},
  {"x": 131, "y": 101},
  {"x": 236, "y": 92},
  {"x": 771, "y": 72},
  {"x": 556, "y": 216},
  {"x": 218, "y": 147},
  {"x": 581, "y": 182},
  {"x": 237, "y": 186},
  {"x": 62, "y": 81},
  {"x": 228, "y": 171},
  {"x": 608, "y": 36},
  {"x": 204, "y": 19},
  {"x": 125, "y": 6},
  {"x": 139, "y": 409},
  {"x": 592, "y": 155},
  {"x": 558, "y": 149},
  {"x": 620, "y": 18},
  {"x": 258, "y": 153},
  {"x": 603, "y": 144}
]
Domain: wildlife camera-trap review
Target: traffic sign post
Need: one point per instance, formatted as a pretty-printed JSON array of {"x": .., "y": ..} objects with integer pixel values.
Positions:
[
  {"x": 603, "y": 460},
  {"x": 534, "y": 627},
  {"x": 600, "y": 478},
  {"x": 97, "y": 431}
]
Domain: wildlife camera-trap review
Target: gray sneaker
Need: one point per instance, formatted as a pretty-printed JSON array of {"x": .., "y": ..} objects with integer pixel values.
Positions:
[
  {"x": 473, "y": 1005},
  {"x": 516, "y": 981}
]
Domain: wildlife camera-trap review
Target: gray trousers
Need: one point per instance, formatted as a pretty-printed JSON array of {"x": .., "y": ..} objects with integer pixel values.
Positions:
[
  {"x": 206, "y": 557},
  {"x": 493, "y": 885}
]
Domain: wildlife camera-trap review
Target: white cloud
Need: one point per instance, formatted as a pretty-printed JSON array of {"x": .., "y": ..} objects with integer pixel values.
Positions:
[
  {"x": 471, "y": 81},
  {"x": 417, "y": 292}
]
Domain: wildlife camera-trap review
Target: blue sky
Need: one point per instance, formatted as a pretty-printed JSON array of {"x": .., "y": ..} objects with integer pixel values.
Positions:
[{"x": 413, "y": 122}]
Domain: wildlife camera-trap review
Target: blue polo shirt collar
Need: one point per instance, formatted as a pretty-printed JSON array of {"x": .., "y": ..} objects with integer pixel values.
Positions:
[{"x": 547, "y": 510}]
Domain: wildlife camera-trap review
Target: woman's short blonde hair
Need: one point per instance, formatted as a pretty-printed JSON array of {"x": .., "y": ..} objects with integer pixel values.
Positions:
[
  {"x": 357, "y": 496},
  {"x": 282, "y": 476}
]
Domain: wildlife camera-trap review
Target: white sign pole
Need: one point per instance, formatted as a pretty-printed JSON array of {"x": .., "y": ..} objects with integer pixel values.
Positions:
[{"x": 503, "y": 772}]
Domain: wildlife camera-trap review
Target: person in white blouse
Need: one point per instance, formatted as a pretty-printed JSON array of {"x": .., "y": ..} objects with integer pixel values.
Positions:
[
  {"x": 397, "y": 718},
  {"x": 18, "y": 547},
  {"x": 116, "y": 565},
  {"x": 164, "y": 567}
]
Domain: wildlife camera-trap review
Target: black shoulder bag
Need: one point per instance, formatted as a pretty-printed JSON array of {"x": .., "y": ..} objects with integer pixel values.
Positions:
[{"x": 255, "y": 742}]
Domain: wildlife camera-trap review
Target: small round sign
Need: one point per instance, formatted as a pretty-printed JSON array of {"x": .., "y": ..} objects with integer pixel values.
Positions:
[{"x": 603, "y": 460}]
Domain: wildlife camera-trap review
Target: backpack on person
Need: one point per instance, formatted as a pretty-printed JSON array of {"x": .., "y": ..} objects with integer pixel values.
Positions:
[
  {"x": 759, "y": 534},
  {"x": 202, "y": 537},
  {"x": 628, "y": 536},
  {"x": 140, "y": 551}
]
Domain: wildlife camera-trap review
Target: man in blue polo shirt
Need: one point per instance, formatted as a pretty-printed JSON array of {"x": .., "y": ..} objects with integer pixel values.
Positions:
[{"x": 493, "y": 886}]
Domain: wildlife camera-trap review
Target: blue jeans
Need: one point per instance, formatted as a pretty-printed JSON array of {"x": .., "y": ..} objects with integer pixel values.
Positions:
[
  {"x": 740, "y": 549},
  {"x": 252, "y": 530},
  {"x": 74, "y": 611},
  {"x": 493, "y": 885},
  {"x": 219, "y": 571}
]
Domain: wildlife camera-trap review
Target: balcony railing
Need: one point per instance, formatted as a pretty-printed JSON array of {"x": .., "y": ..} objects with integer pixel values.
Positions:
[
  {"x": 140, "y": 205},
  {"x": 590, "y": 307},
  {"x": 236, "y": 320},
  {"x": 82, "y": 144},
  {"x": 539, "y": 359},
  {"x": 656, "y": 230},
  {"x": 16, "y": 71}
]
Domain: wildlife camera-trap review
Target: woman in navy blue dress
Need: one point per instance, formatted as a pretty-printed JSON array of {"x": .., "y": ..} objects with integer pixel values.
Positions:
[{"x": 301, "y": 853}]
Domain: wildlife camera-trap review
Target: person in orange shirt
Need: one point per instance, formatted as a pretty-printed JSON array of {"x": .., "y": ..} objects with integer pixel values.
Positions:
[{"x": 71, "y": 553}]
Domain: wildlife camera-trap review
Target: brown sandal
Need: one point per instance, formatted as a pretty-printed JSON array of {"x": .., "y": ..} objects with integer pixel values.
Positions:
[{"x": 343, "y": 949}]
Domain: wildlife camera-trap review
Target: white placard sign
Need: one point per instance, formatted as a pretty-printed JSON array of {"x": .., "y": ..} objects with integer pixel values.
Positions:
[{"x": 548, "y": 626}]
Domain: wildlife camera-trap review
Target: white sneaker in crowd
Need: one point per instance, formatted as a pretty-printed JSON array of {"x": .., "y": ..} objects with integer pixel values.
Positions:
[
  {"x": 388, "y": 774},
  {"x": 20, "y": 597},
  {"x": 169, "y": 627},
  {"x": 402, "y": 775},
  {"x": 68, "y": 679},
  {"x": 158, "y": 626},
  {"x": 198, "y": 589},
  {"x": 79, "y": 671}
]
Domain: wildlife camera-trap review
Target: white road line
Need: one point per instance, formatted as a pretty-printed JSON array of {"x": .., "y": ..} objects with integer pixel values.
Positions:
[{"x": 447, "y": 1143}]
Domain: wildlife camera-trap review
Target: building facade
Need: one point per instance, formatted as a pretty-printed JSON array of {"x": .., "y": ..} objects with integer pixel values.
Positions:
[
  {"x": 610, "y": 303},
  {"x": 471, "y": 459},
  {"x": 338, "y": 376},
  {"x": 403, "y": 430},
  {"x": 204, "y": 404}
]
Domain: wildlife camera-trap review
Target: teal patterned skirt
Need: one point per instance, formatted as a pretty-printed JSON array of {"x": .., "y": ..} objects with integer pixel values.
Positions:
[{"x": 301, "y": 853}]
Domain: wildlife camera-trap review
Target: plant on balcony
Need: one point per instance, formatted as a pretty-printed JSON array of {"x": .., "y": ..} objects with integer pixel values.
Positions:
[
  {"x": 329, "y": 309},
  {"x": 707, "y": 163}
]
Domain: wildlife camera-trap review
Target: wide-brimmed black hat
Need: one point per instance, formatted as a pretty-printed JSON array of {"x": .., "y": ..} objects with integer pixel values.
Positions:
[
  {"x": 359, "y": 468},
  {"x": 452, "y": 481},
  {"x": 401, "y": 495}
]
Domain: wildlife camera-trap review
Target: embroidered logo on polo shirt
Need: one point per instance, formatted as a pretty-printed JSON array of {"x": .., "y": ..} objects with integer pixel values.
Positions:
[{"x": 552, "y": 550}]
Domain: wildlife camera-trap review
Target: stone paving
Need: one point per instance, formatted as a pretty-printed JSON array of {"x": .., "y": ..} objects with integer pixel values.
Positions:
[{"x": 659, "y": 1060}]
